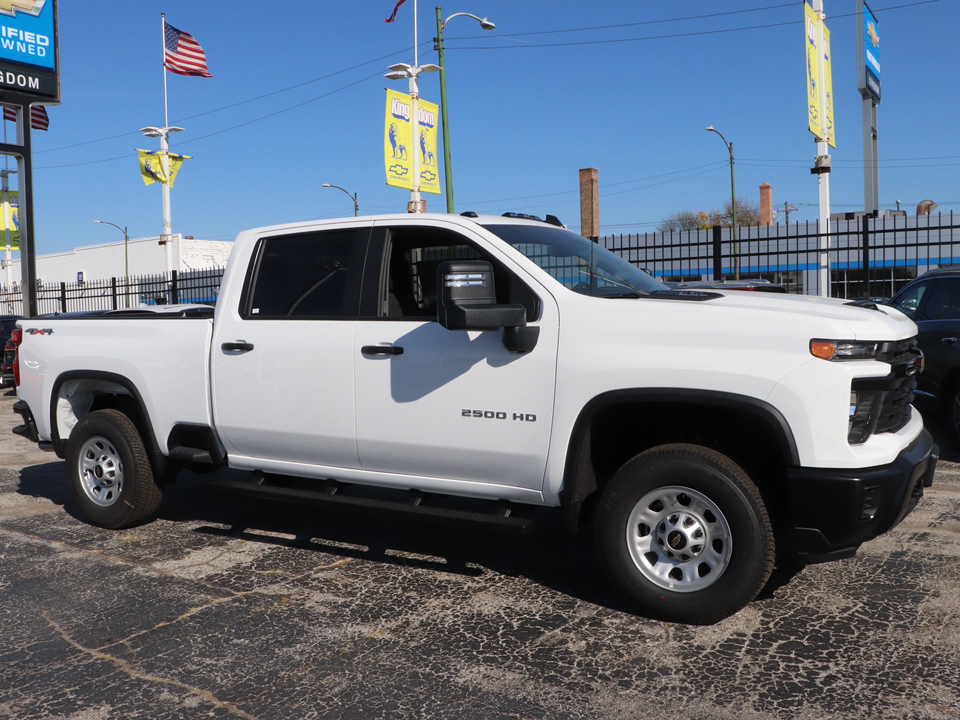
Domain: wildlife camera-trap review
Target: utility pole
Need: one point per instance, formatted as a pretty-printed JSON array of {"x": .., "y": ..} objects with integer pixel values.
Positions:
[{"x": 787, "y": 209}]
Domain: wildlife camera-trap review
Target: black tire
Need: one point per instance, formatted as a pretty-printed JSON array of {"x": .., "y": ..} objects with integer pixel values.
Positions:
[
  {"x": 684, "y": 535},
  {"x": 109, "y": 471},
  {"x": 951, "y": 411}
]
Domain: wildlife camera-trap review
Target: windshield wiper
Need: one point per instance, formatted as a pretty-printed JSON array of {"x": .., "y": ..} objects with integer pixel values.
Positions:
[{"x": 633, "y": 294}]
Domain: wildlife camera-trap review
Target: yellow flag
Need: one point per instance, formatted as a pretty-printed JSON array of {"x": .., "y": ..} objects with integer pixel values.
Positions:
[
  {"x": 151, "y": 167},
  {"x": 175, "y": 162}
]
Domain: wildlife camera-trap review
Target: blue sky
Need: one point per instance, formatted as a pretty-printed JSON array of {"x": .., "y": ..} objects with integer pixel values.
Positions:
[{"x": 297, "y": 100}]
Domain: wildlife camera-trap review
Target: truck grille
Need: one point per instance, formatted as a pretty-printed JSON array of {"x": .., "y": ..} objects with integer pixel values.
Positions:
[{"x": 897, "y": 395}]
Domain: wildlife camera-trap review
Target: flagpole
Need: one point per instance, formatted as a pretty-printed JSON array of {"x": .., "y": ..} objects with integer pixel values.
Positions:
[
  {"x": 163, "y": 55},
  {"x": 165, "y": 153},
  {"x": 415, "y": 102}
]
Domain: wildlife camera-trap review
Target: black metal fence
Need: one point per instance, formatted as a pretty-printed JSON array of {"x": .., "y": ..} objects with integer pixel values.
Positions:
[
  {"x": 868, "y": 257},
  {"x": 191, "y": 286}
]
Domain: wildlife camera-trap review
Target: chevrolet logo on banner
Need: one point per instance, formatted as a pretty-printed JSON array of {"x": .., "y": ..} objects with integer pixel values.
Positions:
[{"x": 27, "y": 7}]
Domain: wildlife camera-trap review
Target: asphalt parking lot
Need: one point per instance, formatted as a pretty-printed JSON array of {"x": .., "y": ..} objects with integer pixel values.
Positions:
[{"x": 233, "y": 608}]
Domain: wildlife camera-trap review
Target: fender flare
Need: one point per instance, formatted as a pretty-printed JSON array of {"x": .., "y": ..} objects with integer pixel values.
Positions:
[
  {"x": 60, "y": 444},
  {"x": 578, "y": 478}
]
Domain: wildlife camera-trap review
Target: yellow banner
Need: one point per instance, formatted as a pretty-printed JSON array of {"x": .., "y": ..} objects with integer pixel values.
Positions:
[
  {"x": 11, "y": 216},
  {"x": 828, "y": 84},
  {"x": 175, "y": 162},
  {"x": 399, "y": 145},
  {"x": 429, "y": 165},
  {"x": 811, "y": 24},
  {"x": 151, "y": 167},
  {"x": 397, "y": 136}
]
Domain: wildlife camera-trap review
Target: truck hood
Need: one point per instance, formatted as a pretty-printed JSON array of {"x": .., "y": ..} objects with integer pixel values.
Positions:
[
  {"x": 867, "y": 321},
  {"x": 737, "y": 314}
]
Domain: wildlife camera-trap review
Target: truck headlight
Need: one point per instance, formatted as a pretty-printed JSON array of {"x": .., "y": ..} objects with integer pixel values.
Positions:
[{"x": 844, "y": 349}]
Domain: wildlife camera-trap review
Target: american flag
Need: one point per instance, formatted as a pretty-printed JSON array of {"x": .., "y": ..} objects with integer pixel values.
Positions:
[
  {"x": 393, "y": 15},
  {"x": 182, "y": 54},
  {"x": 39, "y": 120}
]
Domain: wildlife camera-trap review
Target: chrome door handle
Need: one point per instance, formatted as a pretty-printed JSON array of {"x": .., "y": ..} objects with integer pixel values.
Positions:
[
  {"x": 948, "y": 340},
  {"x": 381, "y": 350}
]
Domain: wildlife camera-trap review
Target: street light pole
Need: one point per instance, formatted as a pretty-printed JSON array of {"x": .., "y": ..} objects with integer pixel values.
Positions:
[
  {"x": 404, "y": 70},
  {"x": 163, "y": 133},
  {"x": 733, "y": 200},
  {"x": 447, "y": 163},
  {"x": 126, "y": 257},
  {"x": 356, "y": 205}
]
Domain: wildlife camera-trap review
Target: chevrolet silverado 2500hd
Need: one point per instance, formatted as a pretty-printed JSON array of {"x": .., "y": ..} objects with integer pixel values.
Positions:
[{"x": 510, "y": 361}]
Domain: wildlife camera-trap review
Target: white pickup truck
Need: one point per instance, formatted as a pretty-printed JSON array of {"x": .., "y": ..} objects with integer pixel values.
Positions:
[{"x": 506, "y": 360}]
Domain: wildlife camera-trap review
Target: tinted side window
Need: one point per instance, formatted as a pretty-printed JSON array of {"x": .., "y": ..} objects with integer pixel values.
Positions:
[
  {"x": 943, "y": 301},
  {"x": 908, "y": 301},
  {"x": 313, "y": 275}
]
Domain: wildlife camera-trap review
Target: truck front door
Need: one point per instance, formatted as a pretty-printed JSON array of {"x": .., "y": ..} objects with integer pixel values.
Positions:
[{"x": 451, "y": 405}]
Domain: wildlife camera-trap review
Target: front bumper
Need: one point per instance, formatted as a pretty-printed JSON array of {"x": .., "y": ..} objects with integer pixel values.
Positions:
[{"x": 833, "y": 512}]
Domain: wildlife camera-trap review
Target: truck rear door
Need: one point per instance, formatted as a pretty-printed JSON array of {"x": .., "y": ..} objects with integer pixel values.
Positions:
[{"x": 283, "y": 375}]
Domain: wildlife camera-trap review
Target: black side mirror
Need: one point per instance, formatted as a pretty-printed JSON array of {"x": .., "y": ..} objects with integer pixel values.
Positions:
[{"x": 466, "y": 300}]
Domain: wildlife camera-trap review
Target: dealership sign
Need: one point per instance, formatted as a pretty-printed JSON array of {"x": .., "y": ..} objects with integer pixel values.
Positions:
[
  {"x": 28, "y": 48},
  {"x": 868, "y": 53}
]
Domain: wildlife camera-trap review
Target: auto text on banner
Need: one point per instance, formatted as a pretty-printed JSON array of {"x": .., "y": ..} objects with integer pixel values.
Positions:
[{"x": 399, "y": 143}]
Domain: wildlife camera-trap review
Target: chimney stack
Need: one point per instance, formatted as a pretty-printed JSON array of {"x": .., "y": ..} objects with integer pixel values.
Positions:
[
  {"x": 589, "y": 203},
  {"x": 766, "y": 204}
]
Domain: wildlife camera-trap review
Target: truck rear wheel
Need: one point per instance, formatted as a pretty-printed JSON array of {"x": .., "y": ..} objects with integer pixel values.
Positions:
[
  {"x": 109, "y": 471},
  {"x": 684, "y": 534}
]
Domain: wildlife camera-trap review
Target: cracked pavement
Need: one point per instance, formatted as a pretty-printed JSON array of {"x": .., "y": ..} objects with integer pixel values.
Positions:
[{"x": 229, "y": 607}]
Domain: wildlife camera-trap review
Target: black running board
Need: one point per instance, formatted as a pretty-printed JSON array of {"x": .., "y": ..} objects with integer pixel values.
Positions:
[{"x": 500, "y": 515}]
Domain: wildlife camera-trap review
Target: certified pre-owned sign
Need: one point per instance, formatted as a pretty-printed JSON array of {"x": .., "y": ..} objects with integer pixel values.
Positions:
[{"x": 28, "y": 47}]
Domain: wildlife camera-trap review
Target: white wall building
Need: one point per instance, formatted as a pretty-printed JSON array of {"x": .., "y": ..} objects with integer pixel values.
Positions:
[{"x": 99, "y": 262}]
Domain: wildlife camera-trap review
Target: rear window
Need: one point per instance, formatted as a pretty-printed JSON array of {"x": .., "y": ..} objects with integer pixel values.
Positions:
[{"x": 313, "y": 275}]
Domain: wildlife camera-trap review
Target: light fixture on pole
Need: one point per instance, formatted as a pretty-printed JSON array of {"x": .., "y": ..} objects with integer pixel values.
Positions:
[
  {"x": 8, "y": 257},
  {"x": 447, "y": 163},
  {"x": 126, "y": 257},
  {"x": 356, "y": 205},
  {"x": 733, "y": 205},
  {"x": 398, "y": 72},
  {"x": 163, "y": 133}
]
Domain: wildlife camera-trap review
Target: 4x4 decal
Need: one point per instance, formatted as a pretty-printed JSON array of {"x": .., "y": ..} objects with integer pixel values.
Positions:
[{"x": 39, "y": 331}]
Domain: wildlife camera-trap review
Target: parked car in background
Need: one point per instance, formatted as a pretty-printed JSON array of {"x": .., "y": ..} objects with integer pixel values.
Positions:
[
  {"x": 932, "y": 301},
  {"x": 6, "y": 368},
  {"x": 7, "y": 324},
  {"x": 748, "y": 285}
]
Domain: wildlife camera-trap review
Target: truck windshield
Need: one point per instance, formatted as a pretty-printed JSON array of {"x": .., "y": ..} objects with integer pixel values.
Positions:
[{"x": 577, "y": 263}]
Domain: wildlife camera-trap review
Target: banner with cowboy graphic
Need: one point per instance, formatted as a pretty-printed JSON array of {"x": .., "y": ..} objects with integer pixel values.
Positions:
[{"x": 399, "y": 143}]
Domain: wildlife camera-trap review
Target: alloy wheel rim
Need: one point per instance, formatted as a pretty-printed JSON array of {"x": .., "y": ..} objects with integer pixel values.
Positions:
[
  {"x": 679, "y": 539},
  {"x": 101, "y": 471}
]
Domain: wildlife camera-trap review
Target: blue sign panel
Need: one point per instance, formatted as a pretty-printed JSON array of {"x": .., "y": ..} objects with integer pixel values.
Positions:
[
  {"x": 28, "y": 33},
  {"x": 871, "y": 52}
]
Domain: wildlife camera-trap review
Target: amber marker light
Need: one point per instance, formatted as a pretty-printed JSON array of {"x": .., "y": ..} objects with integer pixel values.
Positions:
[{"x": 823, "y": 349}]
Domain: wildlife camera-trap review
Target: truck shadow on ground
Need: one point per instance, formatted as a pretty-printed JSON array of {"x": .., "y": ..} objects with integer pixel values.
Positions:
[{"x": 548, "y": 556}]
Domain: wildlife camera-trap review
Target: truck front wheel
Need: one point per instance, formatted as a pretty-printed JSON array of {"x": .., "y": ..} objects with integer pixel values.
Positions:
[
  {"x": 684, "y": 534},
  {"x": 109, "y": 472}
]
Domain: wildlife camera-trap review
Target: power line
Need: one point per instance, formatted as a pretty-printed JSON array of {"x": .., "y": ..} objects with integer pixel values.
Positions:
[{"x": 671, "y": 36}]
